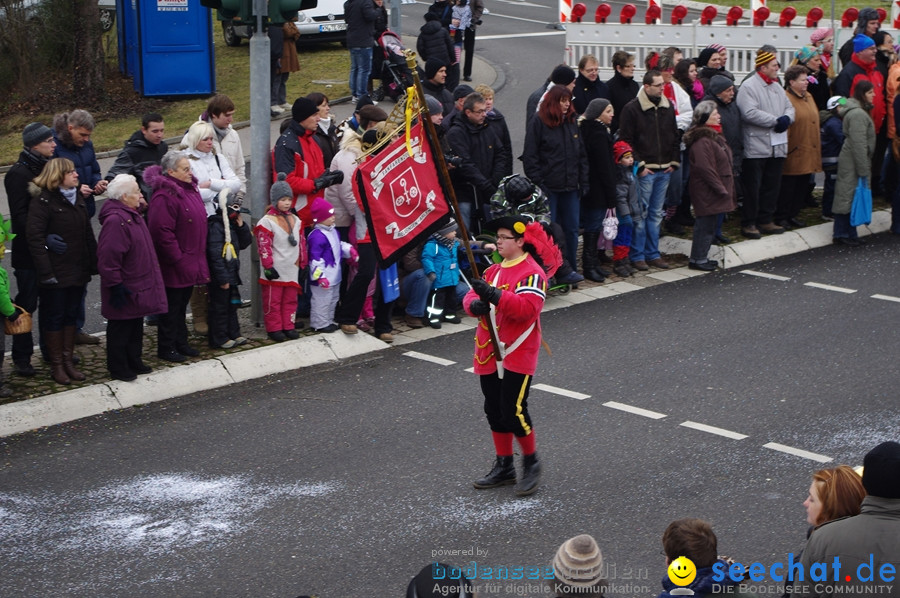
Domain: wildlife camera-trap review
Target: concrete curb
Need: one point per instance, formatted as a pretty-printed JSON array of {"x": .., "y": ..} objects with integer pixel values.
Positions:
[{"x": 169, "y": 383}]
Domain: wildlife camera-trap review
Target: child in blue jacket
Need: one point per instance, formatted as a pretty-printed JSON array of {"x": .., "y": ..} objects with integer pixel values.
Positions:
[{"x": 441, "y": 264}]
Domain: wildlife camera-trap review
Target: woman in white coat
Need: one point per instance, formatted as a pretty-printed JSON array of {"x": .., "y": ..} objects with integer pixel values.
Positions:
[{"x": 213, "y": 171}]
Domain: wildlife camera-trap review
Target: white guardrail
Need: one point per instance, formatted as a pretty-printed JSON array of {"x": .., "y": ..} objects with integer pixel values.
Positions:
[{"x": 602, "y": 40}]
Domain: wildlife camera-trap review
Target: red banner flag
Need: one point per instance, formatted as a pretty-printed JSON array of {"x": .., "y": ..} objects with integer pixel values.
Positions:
[{"x": 401, "y": 196}]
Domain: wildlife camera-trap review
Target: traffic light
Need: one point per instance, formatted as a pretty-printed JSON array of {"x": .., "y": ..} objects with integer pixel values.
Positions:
[
  {"x": 228, "y": 9},
  {"x": 285, "y": 10}
]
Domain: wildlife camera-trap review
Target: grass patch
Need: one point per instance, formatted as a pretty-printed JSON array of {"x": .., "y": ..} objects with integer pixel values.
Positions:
[{"x": 121, "y": 116}]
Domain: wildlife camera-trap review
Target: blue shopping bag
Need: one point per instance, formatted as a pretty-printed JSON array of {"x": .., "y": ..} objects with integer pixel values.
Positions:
[
  {"x": 861, "y": 210},
  {"x": 390, "y": 283}
]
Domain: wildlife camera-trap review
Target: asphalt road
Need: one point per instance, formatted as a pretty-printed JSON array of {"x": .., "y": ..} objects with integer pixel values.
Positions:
[{"x": 344, "y": 481}]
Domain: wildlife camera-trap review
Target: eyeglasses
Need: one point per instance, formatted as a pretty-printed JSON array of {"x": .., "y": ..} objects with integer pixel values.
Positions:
[
  {"x": 482, "y": 111},
  {"x": 657, "y": 85},
  {"x": 505, "y": 238}
]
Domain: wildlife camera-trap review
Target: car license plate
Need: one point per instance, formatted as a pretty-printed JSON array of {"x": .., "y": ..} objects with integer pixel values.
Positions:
[{"x": 332, "y": 27}]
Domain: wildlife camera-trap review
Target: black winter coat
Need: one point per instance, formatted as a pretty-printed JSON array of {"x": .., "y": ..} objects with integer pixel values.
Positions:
[
  {"x": 16, "y": 182},
  {"x": 485, "y": 160},
  {"x": 135, "y": 157},
  {"x": 440, "y": 92},
  {"x": 598, "y": 145},
  {"x": 621, "y": 91},
  {"x": 434, "y": 42},
  {"x": 223, "y": 271},
  {"x": 50, "y": 213},
  {"x": 554, "y": 157},
  {"x": 443, "y": 10},
  {"x": 360, "y": 16},
  {"x": 587, "y": 90}
]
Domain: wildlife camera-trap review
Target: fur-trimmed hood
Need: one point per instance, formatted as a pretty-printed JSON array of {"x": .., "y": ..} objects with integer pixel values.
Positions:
[
  {"x": 155, "y": 177},
  {"x": 695, "y": 133}
]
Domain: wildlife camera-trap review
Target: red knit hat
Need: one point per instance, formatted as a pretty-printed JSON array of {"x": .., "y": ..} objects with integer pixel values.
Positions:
[{"x": 620, "y": 148}]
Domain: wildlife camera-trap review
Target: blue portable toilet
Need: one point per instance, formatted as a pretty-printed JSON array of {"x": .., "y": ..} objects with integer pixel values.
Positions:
[
  {"x": 175, "y": 54},
  {"x": 126, "y": 30}
]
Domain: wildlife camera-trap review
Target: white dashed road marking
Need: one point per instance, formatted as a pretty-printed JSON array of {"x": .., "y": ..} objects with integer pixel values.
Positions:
[
  {"x": 828, "y": 287},
  {"x": 634, "y": 410},
  {"x": 561, "y": 391},
  {"x": 797, "y": 452},
  {"x": 431, "y": 358},
  {"x": 765, "y": 275},
  {"x": 886, "y": 298},
  {"x": 713, "y": 430}
]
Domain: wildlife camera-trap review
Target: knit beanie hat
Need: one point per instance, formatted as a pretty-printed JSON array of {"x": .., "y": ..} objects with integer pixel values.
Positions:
[
  {"x": 705, "y": 55},
  {"x": 364, "y": 101},
  {"x": 562, "y": 75},
  {"x": 462, "y": 91},
  {"x": 595, "y": 108},
  {"x": 881, "y": 470},
  {"x": 434, "y": 105},
  {"x": 35, "y": 133},
  {"x": 804, "y": 54},
  {"x": 302, "y": 109},
  {"x": 321, "y": 210},
  {"x": 578, "y": 562},
  {"x": 861, "y": 42},
  {"x": 717, "y": 47},
  {"x": 820, "y": 34},
  {"x": 865, "y": 15},
  {"x": 620, "y": 149},
  {"x": 763, "y": 56},
  {"x": 280, "y": 189},
  {"x": 719, "y": 83},
  {"x": 448, "y": 228},
  {"x": 432, "y": 66}
]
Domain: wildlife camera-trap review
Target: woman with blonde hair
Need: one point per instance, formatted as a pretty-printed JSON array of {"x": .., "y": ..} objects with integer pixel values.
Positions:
[{"x": 64, "y": 249}]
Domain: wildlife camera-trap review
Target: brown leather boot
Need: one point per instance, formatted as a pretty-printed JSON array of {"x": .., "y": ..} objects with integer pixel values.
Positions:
[
  {"x": 54, "y": 342},
  {"x": 68, "y": 349}
]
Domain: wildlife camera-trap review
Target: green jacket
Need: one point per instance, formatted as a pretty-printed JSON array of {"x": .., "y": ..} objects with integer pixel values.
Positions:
[
  {"x": 6, "y": 306},
  {"x": 855, "y": 159}
]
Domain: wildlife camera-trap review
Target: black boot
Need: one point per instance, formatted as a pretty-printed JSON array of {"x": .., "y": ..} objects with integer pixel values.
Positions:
[
  {"x": 531, "y": 476},
  {"x": 589, "y": 257},
  {"x": 502, "y": 474}
]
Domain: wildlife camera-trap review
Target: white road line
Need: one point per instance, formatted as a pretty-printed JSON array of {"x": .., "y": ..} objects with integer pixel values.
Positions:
[
  {"x": 471, "y": 370},
  {"x": 713, "y": 430},
  {"x": 765, "y": 275},
  {"x": 828, "y": 287},
  {"x": 522, "y": 3},
  {"x": 561, "y": 391},
  {"x": 426, "y": 357},
  {"x": 886, "y": 298},
  {"x": 634, "y": 410},
  {"x": 511, "y": 35},
  {"x": 797, "y": 452}
]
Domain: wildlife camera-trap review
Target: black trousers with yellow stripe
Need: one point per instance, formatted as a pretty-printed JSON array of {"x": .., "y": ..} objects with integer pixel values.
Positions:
[{"x": 506, "y": 402}]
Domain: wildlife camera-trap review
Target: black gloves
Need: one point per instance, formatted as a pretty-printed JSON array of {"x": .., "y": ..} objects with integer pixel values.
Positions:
[
  {"x": 431, "y": 276},
  {"x": 329, "y": 178},
  {"x": 55, "y": 244},
  {"x": 479, "y": 308},
  {"x": 271, "y": 273},
  {"x": 486, "y": 292},
  {"x": 15, "y": 314},
  {"x": 782, "y": 124},
  {"x": 118, "y": 295}
]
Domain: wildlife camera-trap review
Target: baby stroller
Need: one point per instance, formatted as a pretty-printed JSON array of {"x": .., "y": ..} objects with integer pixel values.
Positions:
[{"x": 395, "y": 75}]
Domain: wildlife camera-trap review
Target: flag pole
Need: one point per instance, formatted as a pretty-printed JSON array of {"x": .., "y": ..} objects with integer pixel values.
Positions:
[{"x": 449, "y": 192}]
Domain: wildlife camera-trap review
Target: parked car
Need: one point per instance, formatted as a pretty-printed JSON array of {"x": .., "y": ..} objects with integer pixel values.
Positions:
[{"x": 324, "y": 23}]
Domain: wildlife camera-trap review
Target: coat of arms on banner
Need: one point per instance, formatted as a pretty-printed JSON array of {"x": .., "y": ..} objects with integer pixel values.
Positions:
[{"x": 401, "y": 195}]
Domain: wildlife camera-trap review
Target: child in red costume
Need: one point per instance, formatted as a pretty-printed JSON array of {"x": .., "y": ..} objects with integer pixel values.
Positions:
[{"x": 511, "y": 295}]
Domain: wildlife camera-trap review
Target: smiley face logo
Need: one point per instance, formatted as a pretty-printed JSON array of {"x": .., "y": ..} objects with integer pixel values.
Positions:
[{"x": 682, "y": 571}]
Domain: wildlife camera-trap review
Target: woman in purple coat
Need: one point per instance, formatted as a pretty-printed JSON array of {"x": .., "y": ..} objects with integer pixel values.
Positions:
[
  {"x": 177, "y": 222},
  {"x": 131, "y": 283}
]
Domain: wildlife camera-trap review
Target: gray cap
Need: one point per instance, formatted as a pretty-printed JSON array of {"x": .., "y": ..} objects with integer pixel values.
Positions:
[
  {"x": 280, "y": 189},
  {"x": 719, "y": 83},
  {"x": 35, "y": 133}
]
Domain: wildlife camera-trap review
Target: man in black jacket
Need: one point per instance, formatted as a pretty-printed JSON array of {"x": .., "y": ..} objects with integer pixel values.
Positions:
[
  {"x": 360, "y": 16},
  {"x": 144, "y": 148},
  {"x": 433, "y": 85},
  {"x": 39, "y": 145},
  {"x": 485, "y": 158}
]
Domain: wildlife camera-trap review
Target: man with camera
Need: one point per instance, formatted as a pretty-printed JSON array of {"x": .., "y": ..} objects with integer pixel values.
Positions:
[{"x": 485, "y": 159}]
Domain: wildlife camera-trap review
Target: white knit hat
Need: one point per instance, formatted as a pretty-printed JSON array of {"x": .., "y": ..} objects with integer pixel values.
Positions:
[{"x": 578, "y": 562}]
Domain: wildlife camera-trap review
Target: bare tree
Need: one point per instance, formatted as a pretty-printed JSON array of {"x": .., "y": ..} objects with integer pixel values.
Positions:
[{"x": 89, "y": 60}]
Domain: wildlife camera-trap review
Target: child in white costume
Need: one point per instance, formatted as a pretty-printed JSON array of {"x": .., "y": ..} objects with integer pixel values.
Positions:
[{"x": 325, "y": 253}]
